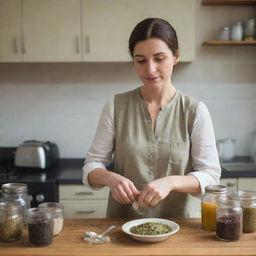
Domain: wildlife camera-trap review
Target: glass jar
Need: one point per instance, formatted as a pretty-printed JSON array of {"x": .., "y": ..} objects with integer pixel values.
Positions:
[
  {"x": 229, "y": 218},
  {"x": 17, "y": 192},
  {"x": 249, "y": 29},
  {"x": 208, "y": 206},
  {"x": 224, "y": 34},
  {"x": 226, "y": 149},
  {"x": 11, "y": 221},
  {"x": 248, "y": 203},
  {"x": 40, "y": 227},
  {"x": 237, "y": 32},
  {"x": 57, "y": 211}
]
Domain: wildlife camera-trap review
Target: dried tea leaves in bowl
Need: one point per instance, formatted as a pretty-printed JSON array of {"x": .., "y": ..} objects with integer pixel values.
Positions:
[{"x": 151, "y": 229}]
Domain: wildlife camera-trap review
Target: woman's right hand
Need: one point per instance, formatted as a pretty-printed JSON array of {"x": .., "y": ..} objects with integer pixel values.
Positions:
[{"x": 123, "y": 190}]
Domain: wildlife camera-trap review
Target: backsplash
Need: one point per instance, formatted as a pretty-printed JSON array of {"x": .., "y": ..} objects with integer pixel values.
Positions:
[{"x": 62, "y": 101}]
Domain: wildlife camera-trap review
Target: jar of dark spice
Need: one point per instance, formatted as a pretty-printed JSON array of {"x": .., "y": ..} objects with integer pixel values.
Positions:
[
  {"x": 40, "y": 227},
  {"x": 229, "y": 218},
  {"x": 248, "y": 202},
  {"x": 17, "y": 192},
  {"x": 208, "y": 206},
  {"x": 11, "y": 221}
]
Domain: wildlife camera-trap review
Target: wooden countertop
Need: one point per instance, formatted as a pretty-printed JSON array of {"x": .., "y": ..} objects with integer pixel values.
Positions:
[{"x": 190, "y": 240}]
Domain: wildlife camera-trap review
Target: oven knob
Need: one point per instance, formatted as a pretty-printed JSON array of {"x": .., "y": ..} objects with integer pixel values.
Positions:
[{"x": 40, "y": 198}]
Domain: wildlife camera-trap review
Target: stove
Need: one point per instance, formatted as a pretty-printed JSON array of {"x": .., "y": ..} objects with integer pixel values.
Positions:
[{"x": 42, "y": 184}]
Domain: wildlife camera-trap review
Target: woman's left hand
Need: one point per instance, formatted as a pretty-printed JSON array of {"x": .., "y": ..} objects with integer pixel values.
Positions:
[{"x": 155, "y": 191}]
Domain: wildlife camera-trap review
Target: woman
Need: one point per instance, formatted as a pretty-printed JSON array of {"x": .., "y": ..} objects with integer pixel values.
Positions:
[{"x": 162, "y": 141}]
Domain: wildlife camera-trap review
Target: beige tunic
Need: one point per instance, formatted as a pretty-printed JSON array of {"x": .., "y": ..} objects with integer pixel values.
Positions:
[{"x": 143, "y": 154}]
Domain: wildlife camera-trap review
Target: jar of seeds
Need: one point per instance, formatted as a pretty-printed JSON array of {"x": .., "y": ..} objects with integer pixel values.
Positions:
[
  {"x": 11, "y": 221},
  {"x": 229, "y": 218},
  {"x": 17, "y": 192},
  {"x": 248, "y": 202},
  {"x": 57, "y": 211},
  {"x": 40, "y": 227}
]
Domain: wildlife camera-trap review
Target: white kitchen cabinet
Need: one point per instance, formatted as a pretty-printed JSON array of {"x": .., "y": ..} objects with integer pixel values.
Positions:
[
  {"x": 51, "y": 30},
  {"x": 40, "y": 31},
  {"x": 10, "y": 31},
  {"x": 235, "y": 184},
  {"x": 247, "y": 183},
  {"x": 107, "y": 26},
  {"x": 86, "y": 210},
  {"x": 85, "y": 30},
  {"x": 82, "y": 202}
]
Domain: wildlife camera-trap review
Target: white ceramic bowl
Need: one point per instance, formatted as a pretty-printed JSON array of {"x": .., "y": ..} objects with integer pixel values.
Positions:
[{"x": 148, "y": 238}]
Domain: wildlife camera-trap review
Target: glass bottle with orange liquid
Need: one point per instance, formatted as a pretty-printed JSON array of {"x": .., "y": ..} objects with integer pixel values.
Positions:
[{"x": 209, "y": 205}]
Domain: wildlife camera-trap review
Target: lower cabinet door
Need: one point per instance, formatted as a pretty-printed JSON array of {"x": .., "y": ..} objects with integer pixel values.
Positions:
[
  {"x": 84, "y": 209},
  {"x": 247, "y": 184}
]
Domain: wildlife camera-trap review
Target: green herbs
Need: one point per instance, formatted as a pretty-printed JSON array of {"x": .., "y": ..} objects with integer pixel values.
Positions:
[
  {"x": 249, "y": 219},
  {"x": 11, "y": 228},
  {"x": 151, "y": 229}
]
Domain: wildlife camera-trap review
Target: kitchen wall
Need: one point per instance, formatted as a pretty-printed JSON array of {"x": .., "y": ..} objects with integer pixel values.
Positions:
[{"x": 62, "y": 101}]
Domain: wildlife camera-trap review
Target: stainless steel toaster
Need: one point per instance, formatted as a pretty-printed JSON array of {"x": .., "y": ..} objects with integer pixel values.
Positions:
[{"x": 36, "y": 154}]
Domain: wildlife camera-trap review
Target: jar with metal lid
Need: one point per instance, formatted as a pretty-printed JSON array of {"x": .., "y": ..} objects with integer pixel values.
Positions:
[
  {"x": 11, "y": 221},
  {"x": 224, "y": 34},
  {"x": 57, "y": 211},
  {"x": 17, "y": 192},
  {"x": 229, "y": 215},
  {"x": 208, "y": 206},
  {"x": 40, "y": 227},
  {"x": 248, "y": 203}
]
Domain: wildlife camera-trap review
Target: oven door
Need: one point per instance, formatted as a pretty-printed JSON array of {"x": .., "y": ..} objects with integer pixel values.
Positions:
[{"x": 42, "y": 192}]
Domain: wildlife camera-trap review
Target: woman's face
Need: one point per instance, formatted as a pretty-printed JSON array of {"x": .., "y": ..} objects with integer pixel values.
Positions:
[{"x": 154, "y": 61}]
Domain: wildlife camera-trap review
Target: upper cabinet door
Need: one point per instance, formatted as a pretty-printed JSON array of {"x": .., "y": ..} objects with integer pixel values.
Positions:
[
  {"x": 10, "y": 30},
  {"x": 107, "y": 26},
  {"x": 51, "y": 31}
]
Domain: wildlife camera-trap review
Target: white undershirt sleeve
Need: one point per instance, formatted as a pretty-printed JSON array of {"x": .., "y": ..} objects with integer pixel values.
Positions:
[
  {"x": 205, "y": 161},
  {"x": 100, "y": 153}
]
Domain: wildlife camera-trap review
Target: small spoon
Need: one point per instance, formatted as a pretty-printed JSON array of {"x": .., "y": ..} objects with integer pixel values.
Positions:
[{"x": 99, "y": 237}]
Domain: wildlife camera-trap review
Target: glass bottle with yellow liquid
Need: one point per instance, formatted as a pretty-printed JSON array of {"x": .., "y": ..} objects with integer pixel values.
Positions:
[{"x": 209, "y": 205}]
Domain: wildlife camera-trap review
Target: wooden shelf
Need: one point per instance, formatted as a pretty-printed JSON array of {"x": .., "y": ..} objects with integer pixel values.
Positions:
[
  {"x": 230, "y": 43},
  {"x": 229, "y": 2}
]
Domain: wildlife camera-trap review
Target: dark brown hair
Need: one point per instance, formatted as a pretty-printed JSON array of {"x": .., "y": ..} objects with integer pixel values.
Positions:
[{"x": 154, "y": 28}]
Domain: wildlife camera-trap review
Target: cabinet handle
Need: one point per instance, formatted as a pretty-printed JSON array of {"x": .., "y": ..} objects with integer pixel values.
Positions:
[
  {"x": 87, "y": 42},
  {"x": 16, "y": 48},
  {"x": 23, "y": 46},
  {"x": 83, "y": 193},
  {"x": 85, "y": 212},
  {"x": 77, "y": 45}
]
